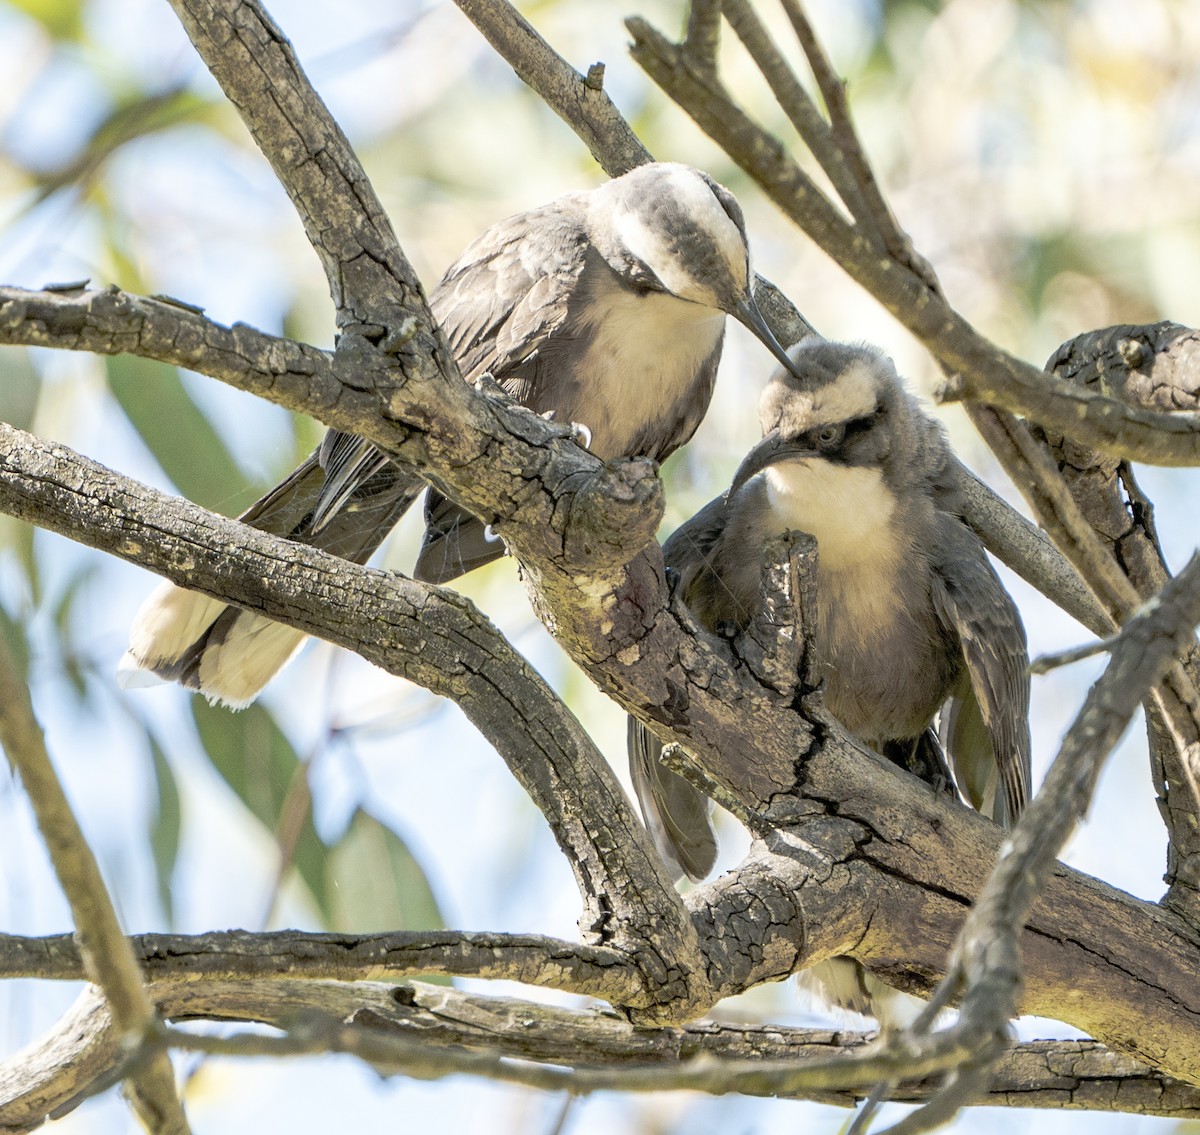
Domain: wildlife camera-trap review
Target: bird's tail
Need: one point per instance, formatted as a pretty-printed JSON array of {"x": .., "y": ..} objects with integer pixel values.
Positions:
[
  {"x": 676, "y": 812},
  {"x": 344, "y": 499},
  {"x": 843, "y": 984}
]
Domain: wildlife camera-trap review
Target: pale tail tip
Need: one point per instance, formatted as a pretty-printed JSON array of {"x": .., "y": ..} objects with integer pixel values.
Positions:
[{"x": 131, "y": 675}]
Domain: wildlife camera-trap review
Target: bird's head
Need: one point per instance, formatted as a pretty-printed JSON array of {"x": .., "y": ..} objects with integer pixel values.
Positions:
[
  {"x": 843, "y": 441},
  {"x": 671, "y": 229}
]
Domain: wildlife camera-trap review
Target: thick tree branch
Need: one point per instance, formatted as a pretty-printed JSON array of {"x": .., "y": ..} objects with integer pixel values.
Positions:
[
  {"x": 234, "y": 955},
  {"x": 430, "y": 635},
  {"x": 52, "y": 1076},
  {"x": 882, "y": 833},
  {"x": 371, "y": 282},
  {"x": 107, "y": 959},
  {"x": 1154, "y": 366}
]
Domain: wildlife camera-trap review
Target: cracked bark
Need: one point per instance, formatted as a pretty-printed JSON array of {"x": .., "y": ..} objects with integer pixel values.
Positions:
[
  {"x": 1056, "y": 1074},
  {"x": 1155, "y": 366},
  {"x": 892, "y": 847},
  {"x": 860, "y": 843}
]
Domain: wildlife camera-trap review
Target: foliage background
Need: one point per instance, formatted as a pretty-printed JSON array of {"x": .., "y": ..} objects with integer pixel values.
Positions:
[{"x": 1044, "y": 156}]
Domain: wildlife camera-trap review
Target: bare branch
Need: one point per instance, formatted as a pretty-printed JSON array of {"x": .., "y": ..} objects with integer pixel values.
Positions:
[
  {"x": 232, "y": 955},
  {"x": 986, "y": 959},
  {"x": 1154, "y": 366},
  {"x": 113, "y": 322},
  {"x": 72, "y": 1061},
  {"x": 1028, "y": 551},
  {"x": 371, "y": 282},
  {"x": 429, "y": 635},
  {"x": 107, "y": 959},
  {"x": 803, "y": 114},
  {"x": 702, "y": 39},
  {"x": 986, "y": 373},
  {"x": 584, "y": 108},
  {"x": 876, "y": 214}
]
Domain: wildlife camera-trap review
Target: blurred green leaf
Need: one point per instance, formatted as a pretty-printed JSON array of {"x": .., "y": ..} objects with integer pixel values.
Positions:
[
  {"x": 15, "y": 638},
  {"x": 63, "y": 19},
  {"x": 258, "y": 762},
  {"x": 75, "y": 667},
  {"x": 177, "y": 431},
  {"x": 133, "y": 116},
  {"x": 164, "y": 827},
  {"x": 376, "y": 884},
  {"x": 20, "y": 385}
]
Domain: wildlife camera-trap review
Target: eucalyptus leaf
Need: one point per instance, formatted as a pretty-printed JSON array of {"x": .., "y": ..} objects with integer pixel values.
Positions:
[
  {"x": 257, "y": 761},
  {"x": 376, "y": 883}
]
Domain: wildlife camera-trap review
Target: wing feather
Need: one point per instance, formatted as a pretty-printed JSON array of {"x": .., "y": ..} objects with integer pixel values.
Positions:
[{"x": 971, "y": 599}]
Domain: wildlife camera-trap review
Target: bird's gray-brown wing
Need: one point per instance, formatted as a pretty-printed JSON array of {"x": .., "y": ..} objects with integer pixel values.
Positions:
[
  {"x": 511, "y": 290},
  {"x": 344, "y": 498},
  {"x": 508, "y": 293},
  {"x": 987, "y": 723},
  {"x": 676, "y": 812}
]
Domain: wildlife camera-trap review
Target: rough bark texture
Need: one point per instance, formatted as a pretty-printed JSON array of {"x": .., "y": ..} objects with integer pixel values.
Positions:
[
  {"x": 1158, "y": 367},
  {"x": 853, "y": 857}
]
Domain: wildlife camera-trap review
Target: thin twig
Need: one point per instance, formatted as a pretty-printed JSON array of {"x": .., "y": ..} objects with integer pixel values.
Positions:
[
  {"x": 803, "y": 114},
  {"x": 703, "y": 36},
  {"x": 846, "y": 141},
  {"x": 1046, "y": 663},
  {"x": 587, "y": 111},
  {"x": 107, "y": 956}
]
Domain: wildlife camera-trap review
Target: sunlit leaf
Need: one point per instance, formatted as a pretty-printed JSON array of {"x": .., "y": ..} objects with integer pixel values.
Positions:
[
  {"x": 375, "y": 883},
  {"x": 258, "y": 762},
  {"x": 164, "y": 827},
  {"x": 177, "y": 431}
]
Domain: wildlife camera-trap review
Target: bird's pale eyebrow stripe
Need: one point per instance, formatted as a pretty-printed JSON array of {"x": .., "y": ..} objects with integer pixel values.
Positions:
[{"x": 851, "y": 395}]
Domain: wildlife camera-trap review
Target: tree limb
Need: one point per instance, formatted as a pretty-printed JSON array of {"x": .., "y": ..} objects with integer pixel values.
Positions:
[
  {"x": 107, "y": 959},
  {"x": 987, "y": 374},
  {"x": 51, "y": 1077},
  {"x": 429, "y": 635}
]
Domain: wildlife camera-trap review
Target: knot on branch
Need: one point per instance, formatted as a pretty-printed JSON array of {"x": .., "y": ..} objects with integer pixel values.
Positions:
[
  {"x": 773, "y": 644},
  {"x": 609, "y": 514}
]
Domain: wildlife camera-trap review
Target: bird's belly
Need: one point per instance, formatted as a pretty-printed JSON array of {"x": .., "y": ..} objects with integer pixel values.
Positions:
[
  {"x": 885, "y": 658},
  {"x": 635, "y": 386}
]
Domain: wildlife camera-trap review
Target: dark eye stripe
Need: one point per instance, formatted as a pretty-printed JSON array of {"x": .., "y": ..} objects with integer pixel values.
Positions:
[{"x": 857, "y": 425}]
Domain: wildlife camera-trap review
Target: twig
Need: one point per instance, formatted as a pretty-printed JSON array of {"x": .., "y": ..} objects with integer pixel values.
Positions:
[
  {"x": 703, "y": 36},
  {"x": 1045, "y": 663},
  {"x": 586, "y": 110},
  {"x": 991, "y": 375},
  {"x": 803, "y": 114},
  {"x": 107, "y": 957},
  {"x": 877, "y": 214}
]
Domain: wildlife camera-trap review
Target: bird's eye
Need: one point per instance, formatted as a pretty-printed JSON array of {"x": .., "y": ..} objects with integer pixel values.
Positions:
[{"x": 828, "y": 437}]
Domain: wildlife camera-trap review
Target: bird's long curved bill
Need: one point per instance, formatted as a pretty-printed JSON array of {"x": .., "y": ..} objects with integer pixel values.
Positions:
[
  {"x": 750, "y": 317},
  {"x": 772, "y": 449}
]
